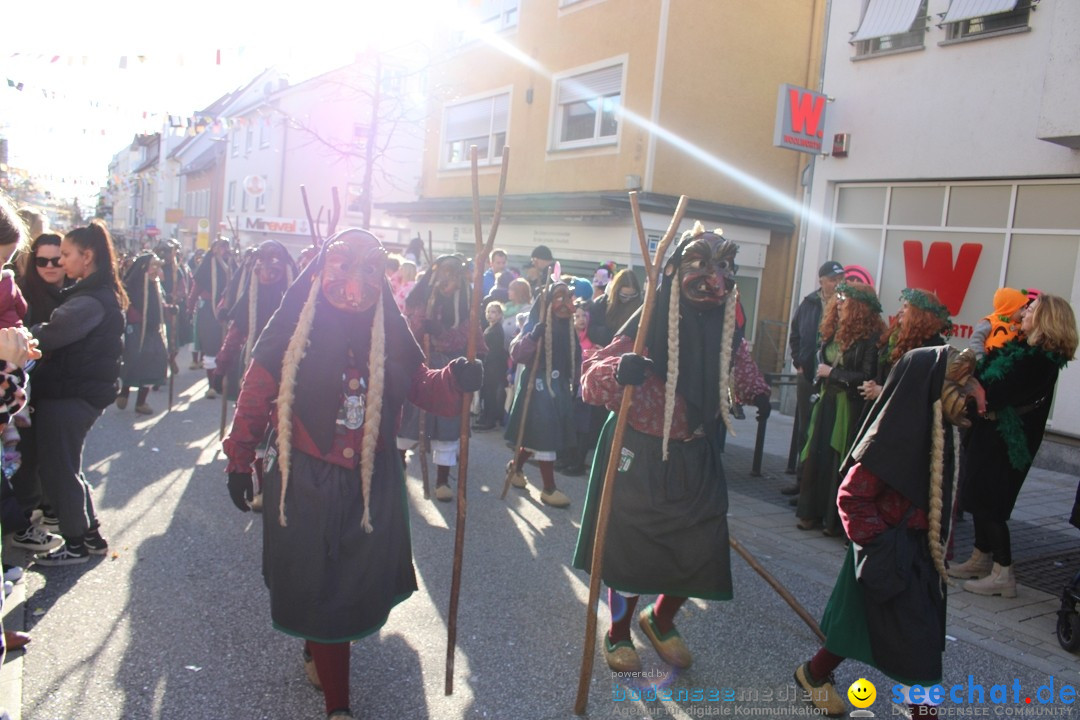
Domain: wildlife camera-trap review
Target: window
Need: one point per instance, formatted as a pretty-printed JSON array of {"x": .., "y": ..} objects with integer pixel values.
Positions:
[
  {"x": 890, "y": 25},
  {"x": 482, "y": 123},
  {"x": 978, "y": 18},
  {"x": 234, "y": 142},
  {"x": 243, "y": 201},
  {"x": 587, "y": 112},
  {"x": 249, "y": 138},
  {"x": 491, "y": 16},
  {"x": 355, "y": 202},
  {"x": 260, "y": 199},
  {"x": 264, "y": 132},
  {"x": 232, "y": 195},
  {"x": 360, "y": 137}
]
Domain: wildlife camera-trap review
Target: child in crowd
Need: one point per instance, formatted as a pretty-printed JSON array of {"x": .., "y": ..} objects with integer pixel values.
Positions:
[{"x": 1002, "y": 325}]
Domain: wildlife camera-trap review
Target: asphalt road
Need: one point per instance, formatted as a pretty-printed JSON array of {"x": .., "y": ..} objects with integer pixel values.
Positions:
[{"x": 174, "y": 623}]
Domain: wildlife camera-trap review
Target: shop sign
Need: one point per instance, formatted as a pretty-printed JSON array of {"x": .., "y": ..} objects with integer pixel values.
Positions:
[{"x": 800, "y": 119}]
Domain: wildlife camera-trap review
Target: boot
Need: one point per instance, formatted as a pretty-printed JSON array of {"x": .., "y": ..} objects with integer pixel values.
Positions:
[
  {"x": 975, "y": 567},
  {"x": 1000, "y": 581}
]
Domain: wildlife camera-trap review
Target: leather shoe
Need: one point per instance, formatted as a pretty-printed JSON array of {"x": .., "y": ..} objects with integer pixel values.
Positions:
[
  {"x": 443, "y": 493},
  {"x": 792, "y": 489},
  {"x": 670, "y": 646},
  {"x": 517, "y": 478},
  {"x": 555, "y": 498},
  {"x": 15, "y": 640}
]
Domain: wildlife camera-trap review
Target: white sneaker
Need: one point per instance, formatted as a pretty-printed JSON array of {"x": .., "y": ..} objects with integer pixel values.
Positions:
[{"x": 36, "y": 539}]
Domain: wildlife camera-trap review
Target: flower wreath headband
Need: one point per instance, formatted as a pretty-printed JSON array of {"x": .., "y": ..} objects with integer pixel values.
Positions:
[
  {"x": 863, "y": 296},
  {"x": 925, "y": 301}
]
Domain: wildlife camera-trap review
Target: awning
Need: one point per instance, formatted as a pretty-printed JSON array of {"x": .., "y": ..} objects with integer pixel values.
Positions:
[
  {"x": 887, "y": 17},
  {"x": 967, "y": 9}
]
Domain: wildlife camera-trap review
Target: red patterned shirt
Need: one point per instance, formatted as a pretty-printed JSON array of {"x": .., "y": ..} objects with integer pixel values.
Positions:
[{"x": 868, "y": 506}]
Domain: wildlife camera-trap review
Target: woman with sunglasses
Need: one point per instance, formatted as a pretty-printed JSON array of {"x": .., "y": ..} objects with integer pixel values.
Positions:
[{"x": 43, "y": 279}]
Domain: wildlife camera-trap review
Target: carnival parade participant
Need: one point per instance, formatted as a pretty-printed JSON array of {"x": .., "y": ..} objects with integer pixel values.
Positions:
[
  {"x": 270, "y": 271},
  {"x": 1019, "y": 378},
  {"x": 887, "y": 608},
  {"x": 922, "y": 321},
  {"x": 328, "y": 378},
  {"x": 176, "y": 284},
  {"x": 548, "y": 420},
  {"x": 209, "y": 284},
  {"x": 146, "y": 356},
  {"x": 438, "y": 307},
  {"x": 667, "y": 532},
  {"x": 848, "y": 357}
]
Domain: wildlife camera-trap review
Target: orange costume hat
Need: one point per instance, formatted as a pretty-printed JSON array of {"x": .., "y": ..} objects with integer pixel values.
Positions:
[{"x": 1007, "y": 302}]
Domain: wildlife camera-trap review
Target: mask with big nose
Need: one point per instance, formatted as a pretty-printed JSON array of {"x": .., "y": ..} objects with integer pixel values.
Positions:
[
  {"x": 707, "y": 270},
  {"x": 352, "y": 273}
]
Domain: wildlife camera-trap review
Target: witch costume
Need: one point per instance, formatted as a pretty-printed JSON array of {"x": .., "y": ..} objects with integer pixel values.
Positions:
[
  {"x": 146, "y": 356},
  {"x": 328, "y": 378},
  {"x": 209, "y": 284},
  {"x": 269, "y": 272},
  {"x": 438, "y": 306},
  {"x": 668, "y": 530},
  {"x": 887, "y": 608}
]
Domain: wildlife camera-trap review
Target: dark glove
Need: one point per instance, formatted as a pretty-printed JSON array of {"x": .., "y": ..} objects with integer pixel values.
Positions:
[
  {"x": 764, "y": 407},
  {"x": 433, "y": 328},
  {"x": 241, "y": 490},
  {"x": 538, "y": 331},
  {"x": 469, "y": 376},
  {"x": 633, "y": 369}
]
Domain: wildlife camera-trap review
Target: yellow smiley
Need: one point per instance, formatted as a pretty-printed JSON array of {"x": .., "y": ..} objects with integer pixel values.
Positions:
[{"x": 862, "y": 693}]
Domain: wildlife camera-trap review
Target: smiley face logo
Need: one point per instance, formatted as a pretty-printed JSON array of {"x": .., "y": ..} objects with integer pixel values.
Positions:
[{"x": 862, "y": 693}]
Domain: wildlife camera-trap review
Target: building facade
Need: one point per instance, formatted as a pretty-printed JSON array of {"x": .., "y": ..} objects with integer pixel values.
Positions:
[
  {"x": 598, "y": 97},
  {"x": 961, "y": 120}
]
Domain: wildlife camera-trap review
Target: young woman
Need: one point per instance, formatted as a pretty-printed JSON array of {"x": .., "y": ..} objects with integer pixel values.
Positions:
[
  {"x": 75, "y": 382},
  {"x": 1019, "y": 379},
  {"x": 848, "y": 357}
]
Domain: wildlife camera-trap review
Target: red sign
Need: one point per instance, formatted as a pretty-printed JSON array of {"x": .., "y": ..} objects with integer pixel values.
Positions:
[
  {"x": 938, "y": 274},
  {"x": 800, "y": 119},
  {"x": 153, "y": 231}
]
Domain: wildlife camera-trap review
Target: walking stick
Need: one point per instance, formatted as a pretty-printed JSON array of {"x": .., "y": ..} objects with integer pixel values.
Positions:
[
  {"x": 224, "y": 404},
  {"x": 424, "y": 442},
  {"x": 173, "y": 350},
  {"x": 775, "y": 584},
  {"x": 481, "y": 255},
  {"x": 652, "y": 268}
]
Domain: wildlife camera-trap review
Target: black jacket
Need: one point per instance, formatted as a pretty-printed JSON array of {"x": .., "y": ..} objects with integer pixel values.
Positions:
[
  {"x": 803, "y": 337},
  {"x": 89, "y": 367}
]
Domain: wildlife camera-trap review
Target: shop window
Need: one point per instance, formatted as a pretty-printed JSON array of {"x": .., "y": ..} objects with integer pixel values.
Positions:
[
  {"x": 916, "y": 206},
  {"x": 860, "y": 205}
]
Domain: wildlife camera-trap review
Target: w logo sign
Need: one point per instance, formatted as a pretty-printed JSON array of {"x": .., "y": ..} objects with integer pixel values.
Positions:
[{"x": 938, "y": 274}]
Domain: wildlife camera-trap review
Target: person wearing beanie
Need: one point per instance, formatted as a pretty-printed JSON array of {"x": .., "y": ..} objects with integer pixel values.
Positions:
[{"x": 327, "y": 379}]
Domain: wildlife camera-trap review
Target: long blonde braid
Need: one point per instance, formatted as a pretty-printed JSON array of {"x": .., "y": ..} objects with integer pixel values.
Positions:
[
  {"x": 673, "y": 360},
  {"x": 725, "y": 357},
  {"x": 253, "y": 303},
  {"x": 290, "y": 366},
  {"x": 373, "y": 410},
  {"x": 937, "y": 461}
]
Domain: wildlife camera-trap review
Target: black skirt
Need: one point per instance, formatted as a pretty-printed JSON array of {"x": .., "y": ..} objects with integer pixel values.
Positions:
[
  {"x": 329, "y": 580},
  {"x": 668, "y": 530}
]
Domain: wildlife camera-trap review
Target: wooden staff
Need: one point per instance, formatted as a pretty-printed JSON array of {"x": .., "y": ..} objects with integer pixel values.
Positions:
[
  {"x": 171, "y": 329},
  {"x": 481, "y": 255},
  {"x": 224, "y": 404},
  {"x": 775, "y": 584},
  {"x": 652, "y": 268},
  {"x": 423, "y": 441},
  {"x": 312, "y": 228}
]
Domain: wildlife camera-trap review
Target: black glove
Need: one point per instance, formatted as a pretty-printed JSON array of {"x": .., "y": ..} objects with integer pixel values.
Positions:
[
  {"x": 433, "y": 328},
  {"x": 469, "y": 376},
  {"x": 537, "y": 332},
  {"x": 764, "y": 406},
  {"x": 633, "y": 369},
  {"x": 241, "y": 490}
]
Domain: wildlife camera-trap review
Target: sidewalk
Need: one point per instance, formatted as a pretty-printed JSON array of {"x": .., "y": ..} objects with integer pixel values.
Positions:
[{"x": 1046, "y": 550}]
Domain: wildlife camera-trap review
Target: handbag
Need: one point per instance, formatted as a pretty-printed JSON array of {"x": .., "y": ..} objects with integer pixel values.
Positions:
[{"x": 883, "y": 566}]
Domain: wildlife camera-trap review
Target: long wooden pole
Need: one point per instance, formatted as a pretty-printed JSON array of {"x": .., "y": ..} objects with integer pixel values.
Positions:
[
  {"x": 479, "y": 260},
  {"x": 652, "y": 267},
  {"x": 775, "y": 585}
]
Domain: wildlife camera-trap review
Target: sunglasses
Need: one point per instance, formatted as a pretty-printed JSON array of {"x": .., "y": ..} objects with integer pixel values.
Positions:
[{"x": 43, "y": 262}]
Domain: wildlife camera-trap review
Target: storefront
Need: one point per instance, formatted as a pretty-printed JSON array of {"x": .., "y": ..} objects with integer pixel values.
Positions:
[{"x": 963, "y": 240}]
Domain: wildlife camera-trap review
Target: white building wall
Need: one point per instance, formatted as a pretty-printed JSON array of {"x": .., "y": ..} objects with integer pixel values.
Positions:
[{"x": 944, "y": 116}]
